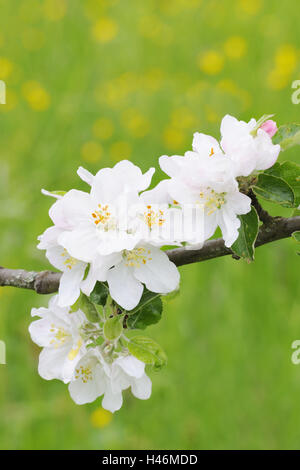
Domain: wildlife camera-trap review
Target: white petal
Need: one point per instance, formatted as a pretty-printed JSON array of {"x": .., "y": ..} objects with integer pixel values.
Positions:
[
  {"x": 205, "y": 145},
  {"x": 229, "y": 224},
  {"x": 158, "y": 274},
  {"x": 119, "y": 379},
  {"x": 267, "y": 152},
  {"x": 51, "y": 362},
  {"x": 81, "y": 243},
  {"x": 69, "y": 286},
  {"x": 57, "y": 215},
  {"x": 109, "y": 183},
  {"x": 98, "y": 271},
  {"x": 112, "y": 401},
  {"x": 133, "y": 175},
  {"x": 41, "y": 331},
  {"x": 210, "y": 225},
  {"x": 77, "y": 207},
  {"x": 124, "y": 288},
  {"x": 85, "y": 175},
  {"x": 171, "y": 165},
  {"x": 141, "y": 387},
  {"x": 157, "y": 195},
  {"x": 49, "y": 237},
  {"x": 131, "y": 366},
  {"x": 239, "y": 202},
  {"x": 55, "y": 255},
  {"x": 88, "y": 391},
  {"x": 40, "y": 312}
]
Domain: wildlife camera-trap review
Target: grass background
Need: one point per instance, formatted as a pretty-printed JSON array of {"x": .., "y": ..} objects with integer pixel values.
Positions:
[{"x": 90, "y": 83}]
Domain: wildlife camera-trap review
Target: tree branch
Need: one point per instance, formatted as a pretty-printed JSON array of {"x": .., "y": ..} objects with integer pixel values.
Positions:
[
  {"x": 263, "y": 215},
  {"x": 47, "y": 282},
  {"x": 44, "y": 282}
]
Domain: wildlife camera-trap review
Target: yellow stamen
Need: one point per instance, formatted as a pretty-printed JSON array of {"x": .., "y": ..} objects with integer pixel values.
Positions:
[{"x": 73, "y": 353}]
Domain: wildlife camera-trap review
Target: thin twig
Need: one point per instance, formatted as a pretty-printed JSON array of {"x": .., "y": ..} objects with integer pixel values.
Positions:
[{"x": 263, "y": 215}]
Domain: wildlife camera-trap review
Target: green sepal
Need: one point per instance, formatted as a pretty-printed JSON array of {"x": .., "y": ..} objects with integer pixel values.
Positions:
[
  {"x": 87, "y": 307},
  {"x": 113, "y": 328}
]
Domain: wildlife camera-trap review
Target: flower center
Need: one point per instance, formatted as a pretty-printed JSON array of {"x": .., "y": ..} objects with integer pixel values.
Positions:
[
  {"x": 60, "y": 336},
  {"x": 70, "y": 262},
  {"x": 153, "y": 217},
  {"x": 136, "y": 257},
  {"x": 212, "y": 200},
  {"x": 103, "y": 218},
  {"x": 84, "y": 373}
]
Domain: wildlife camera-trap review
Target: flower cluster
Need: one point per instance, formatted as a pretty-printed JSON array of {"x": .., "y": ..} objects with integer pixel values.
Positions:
[{"x": 114, "y": 236}]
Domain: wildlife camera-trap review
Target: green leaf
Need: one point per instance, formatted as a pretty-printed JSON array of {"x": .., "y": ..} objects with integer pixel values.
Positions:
[
  {"x": 99, "y": 294},
  {"x": 274, "y": 189},
  {"x": 244, "y": 245},
  {"x": 287, "y": 136},
  {"x": 149, "y": 314},
  {"x": 290, "y": 173},
  {"x": 146, "y": 298},
  {"x": 113, "y": 328},
  {"x": 296, "y": 236},
  {"x": 88, "y": 308},
  {"x": 147, "y": 351}
]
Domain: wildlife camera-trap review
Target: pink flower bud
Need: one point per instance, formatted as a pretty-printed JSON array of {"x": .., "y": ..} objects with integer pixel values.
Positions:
[{"x": 269, "y": 127}]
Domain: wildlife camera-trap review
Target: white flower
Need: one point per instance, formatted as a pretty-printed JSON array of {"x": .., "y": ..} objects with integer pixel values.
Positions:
[
  {"x": 126, "y": 273},
  {"x": 248, "y": 152},
  {"x": 58, "y": 332},
  {"x": 100, "y": 222},
  {"x": 123, "y": 174},
  {"x": 147, "y": 265},
  {"x": 207, "y": 183},
  {"x": 205, "y": 145},
  {"x": 130, "y": 270},
  {"x": 94, "y": 377},
  {"x": 159, "y": 223},
  {"x": 73, "y": 270}
]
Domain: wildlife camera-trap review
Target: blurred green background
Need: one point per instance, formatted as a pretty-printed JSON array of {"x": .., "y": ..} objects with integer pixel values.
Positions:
[{"x": 90, "y": 83}]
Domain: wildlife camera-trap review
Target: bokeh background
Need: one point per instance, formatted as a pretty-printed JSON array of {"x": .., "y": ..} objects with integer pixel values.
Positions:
[{"x": 90, "y": 83}]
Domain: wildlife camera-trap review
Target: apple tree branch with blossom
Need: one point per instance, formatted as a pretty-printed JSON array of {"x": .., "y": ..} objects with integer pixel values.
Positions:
[{"x": 117, "y": 247}]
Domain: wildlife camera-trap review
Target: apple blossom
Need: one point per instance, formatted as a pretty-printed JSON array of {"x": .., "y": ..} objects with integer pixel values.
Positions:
[
  {"x": 58, "y": 332},
  {"x": 94, "y": 376},
  {"x": 207, "y": 183},
  {"x": 73, "y": 270},
  {"x": 145, "y": 264},
  {"x": 249, "y": 148},
  {"x": 99, "y": 222}
]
